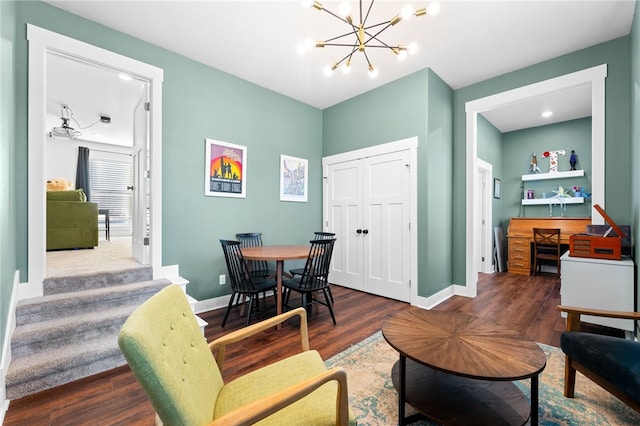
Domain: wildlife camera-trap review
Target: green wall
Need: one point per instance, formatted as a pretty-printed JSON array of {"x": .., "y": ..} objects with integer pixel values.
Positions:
[
  {"x": 418, "y": 105},
  {"x": 518, "y": 147},
  {"x": 490, "y": 150},
  {"x": 635, "y": 131},
  {"x": 198, "y": 102},
  {"x": 616, "y": 54},
  {"x": 7, "y": 168}
]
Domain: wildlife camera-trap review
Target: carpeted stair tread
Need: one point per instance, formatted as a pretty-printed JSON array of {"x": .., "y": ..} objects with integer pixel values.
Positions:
[
  {"x": 72, "y": 331},
  {"x": 44, "y": 336},
  {"x": 47, "y": 308},
  {"x": 57, "y": 285},
  {"x": 47, "y": 369}
]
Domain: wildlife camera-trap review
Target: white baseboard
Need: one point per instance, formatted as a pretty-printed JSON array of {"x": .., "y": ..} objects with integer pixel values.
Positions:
[
  {"x": 211, "y": 304},
  {"x": 444, "y": 294},
  {"x": 6, "y": 347}
]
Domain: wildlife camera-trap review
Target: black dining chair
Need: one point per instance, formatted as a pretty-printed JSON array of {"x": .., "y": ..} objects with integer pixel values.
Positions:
[
  {"x": 257, "y": 268},
  {"x": 242, "y": 283},
  {"x": 318, "y": 235},
  {"x": 314, "y": 277}
]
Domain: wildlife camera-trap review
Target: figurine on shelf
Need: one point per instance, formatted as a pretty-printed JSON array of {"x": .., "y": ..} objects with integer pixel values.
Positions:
[
  {"x": 553, "y": 159},
  {"x": 573, "y": 159},
  {"x": 534, "y": 165}
]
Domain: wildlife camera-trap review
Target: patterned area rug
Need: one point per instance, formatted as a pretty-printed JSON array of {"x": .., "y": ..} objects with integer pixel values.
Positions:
[{"x": 374, "y": 400}]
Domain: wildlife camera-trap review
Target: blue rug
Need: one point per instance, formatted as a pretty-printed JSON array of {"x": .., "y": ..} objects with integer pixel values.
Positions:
[{"x": 374, "y": 400}]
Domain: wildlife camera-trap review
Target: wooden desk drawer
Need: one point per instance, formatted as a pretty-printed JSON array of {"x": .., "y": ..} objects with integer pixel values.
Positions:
[{"x": 520, "y": 256}]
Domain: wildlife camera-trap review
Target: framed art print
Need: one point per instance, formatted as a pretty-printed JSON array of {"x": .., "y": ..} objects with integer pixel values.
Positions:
[
  {"x": 225, "y": 169},
  {"x": 293, "y": 178},
  {"x": 497, "y": 188}
]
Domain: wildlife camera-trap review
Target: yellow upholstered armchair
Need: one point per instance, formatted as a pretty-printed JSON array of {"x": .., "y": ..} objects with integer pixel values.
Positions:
[{"x": 182, "y": 374}]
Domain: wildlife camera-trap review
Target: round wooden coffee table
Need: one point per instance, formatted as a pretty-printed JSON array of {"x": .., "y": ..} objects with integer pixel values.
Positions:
[{"x": 460, "y": 368}]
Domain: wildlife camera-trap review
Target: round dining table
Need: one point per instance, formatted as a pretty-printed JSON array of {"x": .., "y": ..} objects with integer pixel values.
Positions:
[{"x": 277, "y": 253}]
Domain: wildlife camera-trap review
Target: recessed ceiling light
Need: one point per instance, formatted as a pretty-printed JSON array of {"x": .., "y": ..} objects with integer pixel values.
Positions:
[{"x": 547, "y": 114}]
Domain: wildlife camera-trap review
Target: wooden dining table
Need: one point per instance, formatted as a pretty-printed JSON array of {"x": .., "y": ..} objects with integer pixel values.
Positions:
[{"x": 277, "y": 253}]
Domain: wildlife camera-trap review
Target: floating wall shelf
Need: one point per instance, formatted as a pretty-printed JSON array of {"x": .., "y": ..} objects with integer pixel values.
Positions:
[
  {"x": 553, "y": 200},
  {"x": 555, "y": 175}
]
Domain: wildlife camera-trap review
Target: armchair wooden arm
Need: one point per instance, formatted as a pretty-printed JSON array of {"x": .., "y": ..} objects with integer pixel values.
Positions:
[
  {"x": 574, "y": 313},
  {"x": 218, "y": 346},
  {"x": 264, "y": 407}
]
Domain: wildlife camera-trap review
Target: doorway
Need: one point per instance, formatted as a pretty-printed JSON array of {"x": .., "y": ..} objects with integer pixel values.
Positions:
[
  {"x": 41, "y": 44},
  {"x": 594, "y": 78}
]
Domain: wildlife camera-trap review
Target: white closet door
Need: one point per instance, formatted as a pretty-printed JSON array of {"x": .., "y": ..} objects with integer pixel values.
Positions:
[
  {"x": 368, "y": 209},
  {"x": 344, "y": 195},
  {"x": 386, "y": 221}
]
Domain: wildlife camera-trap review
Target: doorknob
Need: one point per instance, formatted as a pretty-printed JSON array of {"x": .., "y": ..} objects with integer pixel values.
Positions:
[
  {"x": 130, "y": 187},
  {"x": 365, "y": 231},
  {"x": 359, "y": 231}
]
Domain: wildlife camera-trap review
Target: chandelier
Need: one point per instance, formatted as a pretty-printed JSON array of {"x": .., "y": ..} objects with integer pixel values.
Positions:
[{"x": 361, "y": 36}]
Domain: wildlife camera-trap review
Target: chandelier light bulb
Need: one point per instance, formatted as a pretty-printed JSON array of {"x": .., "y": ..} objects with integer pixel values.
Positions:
[
  {"x": 412, "y": 49},
  {"x": 344, "y": 9},
  {"x": 402, "y": 54},
  {"x": 433, "y": 8},
  {"x": 307, "y": 3},
  {"x": 407, "y": 12},
  {"x": 346, "y": 67},
  {"x": 373, "y": 72}
]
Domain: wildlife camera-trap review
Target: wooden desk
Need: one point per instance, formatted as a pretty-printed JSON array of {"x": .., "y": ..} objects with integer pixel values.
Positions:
[
  {"x": 460, "y": 368},
  {"x": 520, "y": 237},
  {"x": 279, "y": 254}
]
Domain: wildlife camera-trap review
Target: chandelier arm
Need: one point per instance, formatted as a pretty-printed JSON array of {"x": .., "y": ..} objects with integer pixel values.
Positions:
[
  {"x": 337, "y": 16},
  {"x": 363, "y": 21},
  {"x": 347, "y": 56},
  {"x": 375, "y": 36},
  {"x": 340, "y": 36}
]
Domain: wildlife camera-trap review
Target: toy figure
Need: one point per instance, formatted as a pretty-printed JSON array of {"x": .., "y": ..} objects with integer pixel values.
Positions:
[
  {"x": 573, "y": 159},
  {"x": 553, "y": 159},
  {"x": 534, "y": 165}
]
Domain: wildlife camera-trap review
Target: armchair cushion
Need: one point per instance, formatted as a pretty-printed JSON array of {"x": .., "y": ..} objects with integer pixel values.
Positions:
[
  {"x": 614, "y": 359},
  {"x": 318, "y": 408}
]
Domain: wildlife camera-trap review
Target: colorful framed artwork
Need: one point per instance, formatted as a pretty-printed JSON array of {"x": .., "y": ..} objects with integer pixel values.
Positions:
[
  {"x": 225, "y": 169},
  {"x": 294, "y": 175}
]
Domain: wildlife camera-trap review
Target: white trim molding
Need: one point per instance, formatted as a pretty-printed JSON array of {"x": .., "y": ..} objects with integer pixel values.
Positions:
[
  {"x": 593, "y": 77},
  {"x": 42, "y": 43}
]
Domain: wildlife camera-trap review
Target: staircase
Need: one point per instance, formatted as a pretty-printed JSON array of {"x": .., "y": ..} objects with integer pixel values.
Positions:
[{"x": 71, "y": 332}]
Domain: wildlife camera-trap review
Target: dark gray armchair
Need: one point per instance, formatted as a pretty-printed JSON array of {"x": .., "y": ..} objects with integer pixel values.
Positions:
[{"x": 611, "y": 362}]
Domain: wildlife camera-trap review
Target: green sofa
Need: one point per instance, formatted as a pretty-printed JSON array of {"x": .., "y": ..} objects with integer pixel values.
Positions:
[{"x": 72, "y": 222}]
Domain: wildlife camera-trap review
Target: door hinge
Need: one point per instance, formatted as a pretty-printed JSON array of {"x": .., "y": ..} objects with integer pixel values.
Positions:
[
  {"x": 147, "y": 106},
  {"x": 146, "y": 241},
  {"x": 409, "y": 283}
]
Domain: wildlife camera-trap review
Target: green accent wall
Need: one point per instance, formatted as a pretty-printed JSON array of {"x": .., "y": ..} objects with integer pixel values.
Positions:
[
  {"x": 490, "y": 150},
  {"x": 635, "y": 132},
  {"x": 518, "y": 147},
  {"x": 616, "y": 54},
  {"x": 8, "y": 263},
  {"x": 418, "y": 105}
]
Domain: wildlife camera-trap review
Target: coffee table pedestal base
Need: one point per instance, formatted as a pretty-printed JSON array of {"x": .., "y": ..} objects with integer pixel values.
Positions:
[{"x": 454, "y": 400}]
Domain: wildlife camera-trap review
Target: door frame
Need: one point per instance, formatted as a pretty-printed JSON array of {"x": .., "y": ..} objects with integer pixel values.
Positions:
[
  {"x": 595, "y": 78},
  {"x": 485, "y": 211},
  {"x": 410, "y": 144},
  {"x": 41, "y": 43}
]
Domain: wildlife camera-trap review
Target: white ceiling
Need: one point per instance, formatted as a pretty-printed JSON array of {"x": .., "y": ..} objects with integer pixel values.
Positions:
[{"x": 467, "y": 42}]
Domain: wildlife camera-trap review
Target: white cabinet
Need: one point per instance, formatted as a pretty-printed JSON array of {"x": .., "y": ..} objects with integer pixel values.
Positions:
[{"x": 598, "y": 284}]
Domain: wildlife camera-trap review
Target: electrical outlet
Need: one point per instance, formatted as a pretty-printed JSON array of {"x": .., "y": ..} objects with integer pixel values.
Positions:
[{"x": 222, "y": 279}]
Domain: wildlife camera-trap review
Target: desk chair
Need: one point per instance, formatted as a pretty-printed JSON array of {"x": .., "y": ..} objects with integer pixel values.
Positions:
[
  {"x": 546, "y": 247},
  {"x": 318, "y": 235},
  {"x": 182, "y": 374}
]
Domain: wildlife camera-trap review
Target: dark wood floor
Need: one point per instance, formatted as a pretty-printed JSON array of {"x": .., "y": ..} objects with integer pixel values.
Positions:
[{"x": 526, "y": 304}]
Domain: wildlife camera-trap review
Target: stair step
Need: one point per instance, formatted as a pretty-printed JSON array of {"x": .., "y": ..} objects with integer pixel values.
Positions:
[
  {"x": 57, "y": 285},
  {"x": 49, "y": 308},
  {"x": 50, "y": 335},
  {"x": 48, "y": 369}
]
